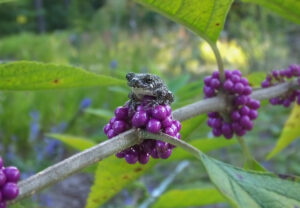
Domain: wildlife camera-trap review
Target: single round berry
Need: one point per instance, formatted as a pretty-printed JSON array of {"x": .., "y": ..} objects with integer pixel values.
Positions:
[
  {"x": 217, "y": 132},
  {"x": 121, "y": 113},
  {"x": 12, "y": 174},
  {"x": 2, "y": 204},
  {"x": 214, "y": 83},
  {"x": 177, "y": 124},
  {"x": 139, "y": 119},
  {"x": 167, "y": 122},
  {"x": 244, "y": 110},
  {"x": 228, "y": 85},
  {"x": 3, "y": 178},
  {"x": 165, "y": 154},
  {"x": 107, "y": 127},
  {"x": 168, "y": 110},
  {"x": 112, "y": 120},
  {"x": 153, "y": 126},
  {"x": 119, "y": 127},
  {"x": 159, "y": 112},
  {"x": 131, "y": 158},
  {"x": 111, "y": 133},
  {"x": 208, "y": 91},
  {"x": 239, "y": 88},
  {"x": 144, "y": 158},
  {"x": 235, "y": 115},
  {"x": 10, "y": 191},
  {"x": 253, "y": 114},
  {"x": 170, "y": 131}
]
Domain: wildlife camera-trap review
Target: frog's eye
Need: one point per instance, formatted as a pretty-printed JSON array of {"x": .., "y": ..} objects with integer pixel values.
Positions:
[{"x": 148, "y": 79}]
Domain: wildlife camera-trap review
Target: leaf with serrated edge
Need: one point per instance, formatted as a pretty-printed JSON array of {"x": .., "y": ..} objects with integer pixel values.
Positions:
[
  {"x": 25, "y": 75},
  {"x": 252, "y": 189},
  {"x": 189, "y": 198},
  {"x": 206, "y": 17},
  {"x": 290, "y": 132},
  {"x": 289, "y": 9}
]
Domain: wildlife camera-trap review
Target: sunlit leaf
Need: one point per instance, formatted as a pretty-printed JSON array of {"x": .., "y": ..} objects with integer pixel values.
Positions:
[
  {"x": 204, "y": 17},
  {"x": 24, "y": 75},
  {"x": 289, "y": 9},
  {"x": 72, "y": 141},
  {"x": 252, "y": 189},
  {"x": 290, "y": 132},
  {"x": 111, "y": 176},
  {"x": 189, "y": 198},
  {"x": 255, "y": 79}
]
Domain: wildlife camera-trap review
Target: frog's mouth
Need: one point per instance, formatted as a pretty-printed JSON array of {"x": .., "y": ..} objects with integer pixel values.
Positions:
[{"x": 141, "y": 91}]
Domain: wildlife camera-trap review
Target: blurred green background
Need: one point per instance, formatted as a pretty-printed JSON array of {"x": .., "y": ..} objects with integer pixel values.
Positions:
[{"x": 114, "y": 37}]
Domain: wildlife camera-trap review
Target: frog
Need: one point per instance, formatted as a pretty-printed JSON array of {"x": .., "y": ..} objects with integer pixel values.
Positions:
[{"x": 150, "y": 86}]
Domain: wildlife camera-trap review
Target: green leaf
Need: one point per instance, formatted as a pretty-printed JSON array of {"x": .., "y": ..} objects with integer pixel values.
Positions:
[
  {"x": 206, "y": 18},
  {"x": 255, "y": 79},
  {"x": 26, "y": 75},
  {"x": 191, "y": 125},
  {"x": 106, "y": 114},
  {"x": 252, "y": 189},
  {"x": 178, "y": 83},
  {"x": 252, "y": 164},
  {"x": 289, "y": 9},
  {"x": 189, "y": 198},
  {"x": 74, "y": 142},
  {"x": 290, "y": 132},
  {"x": 205, "y": 145},
  {"x": 111, "y": 176}
]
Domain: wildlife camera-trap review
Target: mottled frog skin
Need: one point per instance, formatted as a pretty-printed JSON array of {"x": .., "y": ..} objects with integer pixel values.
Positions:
[{"x": 151, "y": 85}]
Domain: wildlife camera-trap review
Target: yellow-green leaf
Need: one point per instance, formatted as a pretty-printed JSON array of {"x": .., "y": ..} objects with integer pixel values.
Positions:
[
  {"x": 106, "y": 114},
  {"x": 77, "y": 143},
  {"x": 189, "y": 198},
  {"x": 255, "y": 79},
  {"x": 25, "y": 75},
  {"x": 204, "y": 17},
  {"x": 289, "y": 9},
  {"x": 111, "y": 176},
  {"x": 290, "y": 132},
  {"x": 191, "y": 125}
]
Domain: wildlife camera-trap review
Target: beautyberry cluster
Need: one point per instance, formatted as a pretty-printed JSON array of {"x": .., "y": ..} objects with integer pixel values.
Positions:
[
  {"x": 281, "y": 76},
  {"x": 9, "y": 176},
  {"x": 154, "y": 119},
  {"x": 243, "y": 109}
]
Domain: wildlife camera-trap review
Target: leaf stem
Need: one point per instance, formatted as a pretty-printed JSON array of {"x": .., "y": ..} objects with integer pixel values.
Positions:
[
  {"x": 219, "y": 59},
  {"x": 245, "y": 149}
]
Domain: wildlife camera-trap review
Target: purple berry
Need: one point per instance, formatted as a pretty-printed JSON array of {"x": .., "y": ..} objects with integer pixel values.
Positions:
[
  {"x": 165, "y": 154},
  {"x": 244, "y": 110},
  {"x": 3, "y": 178},
  {"x": 239, "y": 88},
  {"x": 244, "y": 81},
  {"x": 111, "y": 133},
  {"x": 217, "y": 132},
  {"x": 217, "y": 122},
  {"x": 2, "y": 204},
  {"x": 265, "y": 84},
  {"x": 286, "y": 103},
  {"x": 213, "y": 114},
  {"x": 208, "y": 91},
  {"x": 1, "y": 162},
  {"x": 253, "y": 114},
  {"x": 121, "y": 113},
  {"x": 170, "y": 131},
  {"x": 178, "y": 135},
  {"x": 139, "y": 119},
  {"x": 207, "y": 80},
  {"x": 235, "y": 115},
  {"x": 12, "y": 174},
  {"x": 237, "y": 72},
  {"x": 235, "y": 78},
  {"x": 112, "y": 120},
  {"x": 245, "y": 121},
  {"x": 119, "y": 127},
  {"x": 214, "y": 83},
  {"x": 177, "y": 124},
  {"x": 120, "y": 154},
  {"x": 254, "y": 104},
  {"x": 154, "y": 154},
  {"x": 10, "y": 191},
  {"x": 215, "y": 74},
  {"x": 153, "y": 126},
  {"x": 168, "y": 110},
  {"x": 227, "y": 129},
  {"x": 167, "y": 122},
  {"x": 159, "y": 112},
  {"x": 131, "y": 158},
  {"x": 228, "y": 85},
  {"x": 144, "y": 158},
  {"x": 107, "y": 127},
  {"x": 247, "y": 90}
]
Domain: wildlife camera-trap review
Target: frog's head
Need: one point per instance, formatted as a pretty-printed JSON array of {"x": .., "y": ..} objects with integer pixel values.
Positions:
[{"x": 144, "y": 84}]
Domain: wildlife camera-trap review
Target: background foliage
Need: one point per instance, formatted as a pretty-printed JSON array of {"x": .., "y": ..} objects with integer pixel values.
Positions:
[{"x": 112, "y": 38}]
